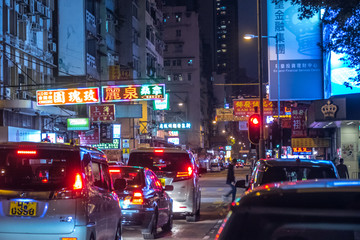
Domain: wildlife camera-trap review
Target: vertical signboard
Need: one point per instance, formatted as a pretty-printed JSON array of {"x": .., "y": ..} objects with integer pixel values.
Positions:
[
  {"x": 300, "y": 56},
  {"x": 102, "y": 113},
  {"x": 72, "y": 40},
  {"x": 298, "y": 122}
]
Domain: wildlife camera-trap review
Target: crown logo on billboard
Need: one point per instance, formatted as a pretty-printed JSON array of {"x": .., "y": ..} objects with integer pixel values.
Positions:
[{"x": 329, "y": 110}]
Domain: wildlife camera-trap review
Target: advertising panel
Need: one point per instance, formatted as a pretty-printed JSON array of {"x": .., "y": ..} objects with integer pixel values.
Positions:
[
  {"x": 89, "y": 138},
  {"x": 300, "y": 58},
  {"x": 102, "y": 113},
  {"x": 119, "y": 73},
  {"x": 133, "y": 92},
  {"x": 227, "y": 114},
  {"x": 162, "y": 104},
  {"x": 247, "y": 107},
  {"x": 16, "y": 134},
  {"x": 67, "y": 96},
  {"x": 116, "y": 130},
  {"x": 174, "y": 140},
  {"x": 78, "y": 124},
  {"x": 298, "y": 122},
  {"x": 180, "y": 126},
  {"x": 72, "y": 40}
]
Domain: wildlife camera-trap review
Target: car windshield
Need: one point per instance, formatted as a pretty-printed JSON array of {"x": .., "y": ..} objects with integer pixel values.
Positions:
[
  {"x": 170, "y": 162},
  {"x": 281, "y": 173},
  {"x": 133, "y": 176},
  {"x": 37, "y": 170}
]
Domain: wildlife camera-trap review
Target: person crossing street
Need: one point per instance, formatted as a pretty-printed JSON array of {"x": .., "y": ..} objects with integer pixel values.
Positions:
[{"x": 230, "y": 180}]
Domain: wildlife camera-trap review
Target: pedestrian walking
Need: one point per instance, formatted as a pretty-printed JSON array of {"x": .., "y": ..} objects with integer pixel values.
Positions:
[
  {"x": 230, "y": 180},
  {"x": 342, "y": 169}
]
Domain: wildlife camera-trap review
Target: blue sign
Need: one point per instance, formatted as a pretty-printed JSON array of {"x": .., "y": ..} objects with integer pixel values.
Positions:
[{"x": 186, "y": 125}]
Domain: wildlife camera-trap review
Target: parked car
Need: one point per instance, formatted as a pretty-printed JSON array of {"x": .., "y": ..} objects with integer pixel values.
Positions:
[
  {"x": 215, "y": 167},
  {"x": 143, "y": 200},
  {"x": 280, "y": 170},
  {"x": 56, "y": 191},
  {"x": 314, "y": 209},
  {"x": 173, "y": 167}
]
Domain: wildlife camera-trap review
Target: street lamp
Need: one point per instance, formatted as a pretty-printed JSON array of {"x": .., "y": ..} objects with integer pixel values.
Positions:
[{"x": 251, "y": 36}]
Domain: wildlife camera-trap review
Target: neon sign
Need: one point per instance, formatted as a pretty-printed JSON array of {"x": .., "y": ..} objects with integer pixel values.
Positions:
[
  {"x": 302, "y": 151},
  {"x": 186, "y": 125},
  {"x": 133, "y": 92},
  {"x": 67, "y": 96}
]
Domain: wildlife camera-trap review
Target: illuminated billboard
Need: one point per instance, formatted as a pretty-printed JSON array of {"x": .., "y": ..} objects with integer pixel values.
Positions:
[
  {"x": 162, "y": 104},
  {"x": 174, "y": 140},
  {"x": 67, "y": 96},
  {"x": 78, "y": 124},
  {"x": 72, "y": 38},
  {"x": 186, "y": 125},
  {"x": 133, "y": 92},
  {"x": 300, "y": 57}
]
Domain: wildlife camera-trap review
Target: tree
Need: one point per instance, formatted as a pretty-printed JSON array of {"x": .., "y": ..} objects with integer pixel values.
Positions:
[{"x": 343, "y": 17}]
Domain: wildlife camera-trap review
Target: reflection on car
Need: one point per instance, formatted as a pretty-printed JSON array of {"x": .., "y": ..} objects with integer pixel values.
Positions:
[
  {"x": 314, "y": 209},
  {"x": 56, "y": 191},
  {"x": 281, "y": 170},
  {"x": 143, "y": 199},
  {"x": 173, "y": 167}
]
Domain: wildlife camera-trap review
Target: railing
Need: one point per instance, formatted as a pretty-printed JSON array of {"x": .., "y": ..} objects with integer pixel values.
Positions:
[{"x": 355, "y": 175}]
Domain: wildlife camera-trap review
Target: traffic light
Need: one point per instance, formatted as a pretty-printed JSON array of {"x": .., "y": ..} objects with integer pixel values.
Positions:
[{"x": 254, "y": 128}]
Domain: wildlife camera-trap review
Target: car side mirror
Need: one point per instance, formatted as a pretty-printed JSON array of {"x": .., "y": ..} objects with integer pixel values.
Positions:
[
  {"x": 120, "y": 184},
  {"x": 168, "y": 188},
  {"x": 240, "y": 184}
]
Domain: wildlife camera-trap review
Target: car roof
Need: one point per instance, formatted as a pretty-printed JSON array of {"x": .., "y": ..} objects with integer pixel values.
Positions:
[
  {"x": 121, "y": 166},
  {"x": 166, "y": 150},
  {"x": 296, "y": 162},
  {"x": 309, "y": 193}
]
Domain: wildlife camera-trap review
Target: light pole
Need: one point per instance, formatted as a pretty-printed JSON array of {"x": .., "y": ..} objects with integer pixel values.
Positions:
[{"x": 250, "y": 36}]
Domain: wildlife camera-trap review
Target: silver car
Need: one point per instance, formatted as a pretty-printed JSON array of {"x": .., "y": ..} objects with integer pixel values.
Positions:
[
  {"x": 56, "y": 191},
  {"x": 173, "y": 167}
]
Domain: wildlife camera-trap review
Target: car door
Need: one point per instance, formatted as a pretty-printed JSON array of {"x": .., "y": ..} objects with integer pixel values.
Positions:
[{"x": 163, "y": 202}]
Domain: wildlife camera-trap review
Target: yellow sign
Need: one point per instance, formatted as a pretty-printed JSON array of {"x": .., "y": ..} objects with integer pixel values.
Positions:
[
  {"x": 227, "y": 114},
  {"x": 120, "y": 73},
  {"x": 310, "y": 142},
  {"x": 126, "y": 150}
]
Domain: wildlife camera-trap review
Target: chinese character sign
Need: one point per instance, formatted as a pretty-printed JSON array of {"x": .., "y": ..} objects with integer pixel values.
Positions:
[
  {"x": 89, "y": 138},
  {"x": 185, "y": 125},
  {"x": 102, "y": 113},
  {"x": 298, "y": 122},
  {"x": 120, "y": 73},
  {"x": 247, "y": 107},
  {"x": 67, "y": 96},
  {"x": 133, "y": 92}
]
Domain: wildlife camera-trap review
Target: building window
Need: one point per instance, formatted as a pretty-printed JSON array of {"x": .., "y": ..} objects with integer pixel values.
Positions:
[
  {"x": 178, "y": 33},
  {"x": 178, "y": 17},
  {"x": 134, "y": 11},
  {"x": 167, "y": 63},
  {"x": 165, "y": 48},
  {"x": 169, "y": 77},
  {"x": 189, "y": 76},
  {"x": 179, "y": 48},
  {"x": 178, "y": 62},
  {"x": 174, "y": 62}
]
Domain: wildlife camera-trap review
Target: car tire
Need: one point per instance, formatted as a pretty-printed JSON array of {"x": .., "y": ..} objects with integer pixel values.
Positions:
[
  {"x": 191, "y": 218},
  {"x": 118, "y": 232},
  {"x": 153, "y": 231},
  {"x": 168, "y": 226}
]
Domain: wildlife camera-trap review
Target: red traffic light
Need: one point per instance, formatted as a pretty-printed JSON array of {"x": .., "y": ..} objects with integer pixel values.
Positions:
[{"x": 254, "y": 128}]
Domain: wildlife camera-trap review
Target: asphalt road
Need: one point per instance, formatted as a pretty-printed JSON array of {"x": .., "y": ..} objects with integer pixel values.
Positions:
[{"x": 213, "y": 210}]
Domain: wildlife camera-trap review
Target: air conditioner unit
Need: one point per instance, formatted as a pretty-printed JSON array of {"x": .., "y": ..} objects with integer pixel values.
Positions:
[{"x": 7, "y": 93}]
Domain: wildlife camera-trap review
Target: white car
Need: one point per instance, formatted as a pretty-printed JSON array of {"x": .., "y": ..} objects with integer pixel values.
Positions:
[
  {"x": 56, "y": 191},
  {"x": 215, "y": 167},
  {"x": 173, "y": 167}
]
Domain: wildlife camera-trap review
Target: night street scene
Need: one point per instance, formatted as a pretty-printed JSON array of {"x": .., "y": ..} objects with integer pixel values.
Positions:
[{"x": 180, "y": 119}]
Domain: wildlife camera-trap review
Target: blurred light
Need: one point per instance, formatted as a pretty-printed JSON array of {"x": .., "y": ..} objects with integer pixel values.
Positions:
[
  {"x": 181, "y": 104},
  {"x": 214, "y": 122},
  {"x": 249, "y": 36}
]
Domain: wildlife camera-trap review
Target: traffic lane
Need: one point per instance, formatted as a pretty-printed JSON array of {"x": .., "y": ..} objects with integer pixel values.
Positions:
[
  {"x": 218, "y": 179},
  {"x": 213, "y": 210}
]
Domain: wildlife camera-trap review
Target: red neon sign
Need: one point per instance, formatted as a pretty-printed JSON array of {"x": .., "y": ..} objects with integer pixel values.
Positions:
[{"x": 67, "y": 96}]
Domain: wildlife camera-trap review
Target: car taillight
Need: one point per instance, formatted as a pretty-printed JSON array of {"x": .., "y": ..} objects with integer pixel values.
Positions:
[
  {"x": 78, "y": 185},
  {"x": 159, "y": 151},
  {"x": 26, "y": 152},
  {"x": 190, "y": 171},
  {"x": 184, "y": 175},
  {"x": 136, "y": 199},
  {"x": 114, "y": 171}
]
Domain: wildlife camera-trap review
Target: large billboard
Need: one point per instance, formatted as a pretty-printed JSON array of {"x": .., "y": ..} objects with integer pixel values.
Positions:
[
  {"x": 133, "y": 92},
  {"x": 300, "y": 58},
  {"x": 72, "y": 39}
]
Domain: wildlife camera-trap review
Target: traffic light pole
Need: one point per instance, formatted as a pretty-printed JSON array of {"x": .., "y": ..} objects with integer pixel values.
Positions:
[{"x": 259, "y": 33}]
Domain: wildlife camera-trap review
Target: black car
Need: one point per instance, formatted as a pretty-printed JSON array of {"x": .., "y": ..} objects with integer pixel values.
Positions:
[
  {"x": 143, "y": 200},
  {"x": 307, "y": 210},
  {"x": 281, "y": 170}
]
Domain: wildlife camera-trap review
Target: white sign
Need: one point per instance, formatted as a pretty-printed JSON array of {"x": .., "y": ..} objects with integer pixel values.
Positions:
[{"x": 21, "y": 134}]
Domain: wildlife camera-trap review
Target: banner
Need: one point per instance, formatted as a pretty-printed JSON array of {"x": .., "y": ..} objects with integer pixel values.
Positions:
[{"x": 247, "y": 107}]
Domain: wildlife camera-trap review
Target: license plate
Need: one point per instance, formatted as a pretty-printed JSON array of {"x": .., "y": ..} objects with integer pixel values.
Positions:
[
  {"x": 23, "y": 208},
  {"x": 162, "y": 180}
]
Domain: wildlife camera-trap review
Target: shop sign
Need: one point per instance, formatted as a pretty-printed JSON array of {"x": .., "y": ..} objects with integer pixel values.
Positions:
[
  {"x": 119, "y": 73},
  {"x": 174, "y": 140},
  {"x": 173, "y": 133},
  {"x": 114, "y": 145},
  {"x": 162, "y": 104},
  {"x": 329, "y": 110},
  {"x": 125, "y": 143},
  {"x": 102, "y": 113},
  {"x": 247, "y": 107},
  {"x": 302, "y": 151},
  {"x": 310, "y": 142},
  {"x": 298, "y": 122},
  {"x": 228, "y": 148},
  {"x": 67, "y": 96},
  {"x": 186, "y": 125},
  {"x": 116, "y": 130},
  {"x": 106, "y": 133},
  {"x": 227, "y": 114},
  {"x": 78, "y": 124},
  {"x": 133, "y": 92},
  {"x": 16, "y": 134},
  {"x": 89, "y": 139}
]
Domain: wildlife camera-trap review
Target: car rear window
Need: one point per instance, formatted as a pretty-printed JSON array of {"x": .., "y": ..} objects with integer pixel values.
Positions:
[
  {"x": 37, "y": 170},
  {"x": 169, "y": 162},
  {"x": 279, "y": 174},
  {"x": 133, "y": 176}
]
